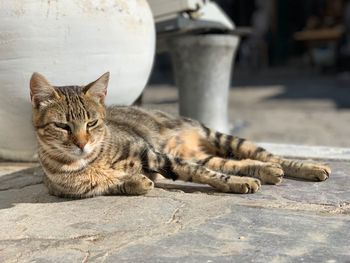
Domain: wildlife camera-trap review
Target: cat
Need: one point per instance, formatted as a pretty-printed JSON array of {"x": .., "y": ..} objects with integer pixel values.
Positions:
[{"x": 87, "y": 149}]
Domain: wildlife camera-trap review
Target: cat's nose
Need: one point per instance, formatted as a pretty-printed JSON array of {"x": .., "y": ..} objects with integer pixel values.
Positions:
[
  {"x": 80, "y": 139},
  {"x": 81, "y": 144}
]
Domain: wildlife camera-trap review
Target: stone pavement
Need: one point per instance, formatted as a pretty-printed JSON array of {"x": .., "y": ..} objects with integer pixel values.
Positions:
[{"x": 295, "y": 222}]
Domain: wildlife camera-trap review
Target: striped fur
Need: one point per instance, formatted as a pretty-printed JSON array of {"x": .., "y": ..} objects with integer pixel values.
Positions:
[{"x": 87, "y": 149}]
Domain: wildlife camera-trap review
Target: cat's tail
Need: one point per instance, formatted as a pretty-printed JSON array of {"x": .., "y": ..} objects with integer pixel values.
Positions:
[{"x": 229, "y": 146}]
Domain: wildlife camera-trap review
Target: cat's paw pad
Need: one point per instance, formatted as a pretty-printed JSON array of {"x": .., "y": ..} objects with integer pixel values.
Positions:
[
  {"x": 270, "y": 173},
  {"x": 243, "y": 185},
  {"x": 314, "y": 171}
]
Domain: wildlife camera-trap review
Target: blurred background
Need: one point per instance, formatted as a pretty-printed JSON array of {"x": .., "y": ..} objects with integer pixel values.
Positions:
[
  {"x": 291, "y": 75},
  {"x": 275, "y": 71}
]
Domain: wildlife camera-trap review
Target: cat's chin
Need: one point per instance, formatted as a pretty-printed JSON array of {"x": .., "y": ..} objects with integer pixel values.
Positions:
[{"x": 81, "y": 153}]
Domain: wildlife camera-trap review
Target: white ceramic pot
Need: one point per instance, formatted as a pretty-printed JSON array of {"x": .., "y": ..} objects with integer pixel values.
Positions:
[{"x": 70, "y": 42}]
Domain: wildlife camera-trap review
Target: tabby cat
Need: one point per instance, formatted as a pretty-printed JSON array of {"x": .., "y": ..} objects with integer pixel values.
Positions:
[{"x": 86, "y": 149}]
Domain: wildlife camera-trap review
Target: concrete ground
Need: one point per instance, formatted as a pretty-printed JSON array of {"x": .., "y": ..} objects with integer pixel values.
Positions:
[{"x": 296, "y": 221}]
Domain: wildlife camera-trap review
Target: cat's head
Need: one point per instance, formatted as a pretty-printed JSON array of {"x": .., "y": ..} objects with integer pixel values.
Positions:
[{"x": 69, "y": 120}]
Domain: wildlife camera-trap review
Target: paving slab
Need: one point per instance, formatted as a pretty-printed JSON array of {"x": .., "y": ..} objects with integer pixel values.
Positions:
[{"x": 177, "y": 222}]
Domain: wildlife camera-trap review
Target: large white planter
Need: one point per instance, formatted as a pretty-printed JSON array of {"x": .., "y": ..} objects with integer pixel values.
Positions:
[{"x": 70, "y": 42}]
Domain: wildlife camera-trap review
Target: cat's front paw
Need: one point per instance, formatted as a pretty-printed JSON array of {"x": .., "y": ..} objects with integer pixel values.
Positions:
[
  {"x": 313, "y": 171},
  {"x": 138, "y": 185},
  {"x": 243, "y": 185}
]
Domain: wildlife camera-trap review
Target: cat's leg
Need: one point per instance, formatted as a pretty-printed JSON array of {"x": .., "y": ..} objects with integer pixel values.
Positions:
[
  {"x": 238, "y": 148},
  {"x": 131, "y": 179},
  {"x": 179, "y": 169},
  {"x": 192, "y": 145},
  {"x": 115, "y": 183},
  {"x": 307, "y": 170},
  {"x": 266, "y": 172}
]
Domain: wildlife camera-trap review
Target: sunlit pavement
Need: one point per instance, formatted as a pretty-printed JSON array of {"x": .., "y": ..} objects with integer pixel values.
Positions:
[{"x": 293, "y": 222}]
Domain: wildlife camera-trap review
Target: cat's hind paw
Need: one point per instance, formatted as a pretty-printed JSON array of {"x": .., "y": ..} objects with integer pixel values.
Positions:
[{"x": 313, "y": 171}]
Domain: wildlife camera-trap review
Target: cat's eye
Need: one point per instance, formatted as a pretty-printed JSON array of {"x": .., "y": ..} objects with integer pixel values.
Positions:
[
  {"x": 62, "y": 126},
  {"x": 92, "y": 123}
]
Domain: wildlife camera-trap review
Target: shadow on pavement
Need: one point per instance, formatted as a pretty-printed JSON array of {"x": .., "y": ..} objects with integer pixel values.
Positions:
[{"x": 25, "y": 186}]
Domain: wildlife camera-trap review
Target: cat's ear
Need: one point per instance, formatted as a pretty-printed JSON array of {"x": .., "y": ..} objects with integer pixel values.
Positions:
[
  {"x": 98, "y": 88},
  {"x": 40, "y": 90}
]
